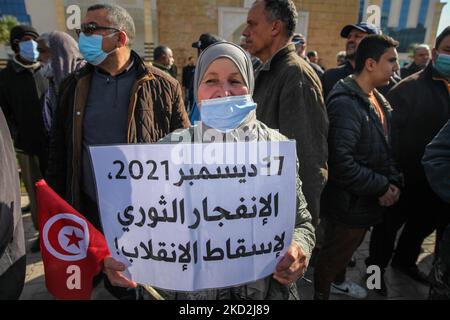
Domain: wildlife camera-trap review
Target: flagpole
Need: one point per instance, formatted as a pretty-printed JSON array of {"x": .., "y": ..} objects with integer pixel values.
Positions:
[{"x": 153, "y": 292}]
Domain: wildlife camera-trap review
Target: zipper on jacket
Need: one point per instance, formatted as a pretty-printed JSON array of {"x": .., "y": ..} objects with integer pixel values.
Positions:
[{"x": 74, "y": 115}]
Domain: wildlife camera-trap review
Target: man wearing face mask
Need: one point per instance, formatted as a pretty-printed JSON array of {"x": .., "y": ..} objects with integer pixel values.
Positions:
[
  {"x": 22, "y": 87},
  {"x": 421, "y": 108},
  {"x": 115, "y": 99}
]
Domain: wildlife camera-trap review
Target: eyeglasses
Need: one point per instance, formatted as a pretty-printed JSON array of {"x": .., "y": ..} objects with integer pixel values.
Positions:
[{"x": 90, "y": 28}]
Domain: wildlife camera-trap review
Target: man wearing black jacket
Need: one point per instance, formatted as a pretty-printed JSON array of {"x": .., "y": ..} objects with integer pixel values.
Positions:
[
  {"x": 421, "y": 58},
  {"x": 421, "y": 106},
  {"x": 22, "y": 87},
  {"x": 354, "y": 33},
  {"x": 362, "y": 178}
]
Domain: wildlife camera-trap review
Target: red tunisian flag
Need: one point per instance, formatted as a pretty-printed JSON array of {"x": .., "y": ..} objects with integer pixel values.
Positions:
[{"x": 72, "y": 249}]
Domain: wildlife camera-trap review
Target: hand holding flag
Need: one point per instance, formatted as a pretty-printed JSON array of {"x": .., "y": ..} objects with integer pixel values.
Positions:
[{"x": 72, "y": 249}]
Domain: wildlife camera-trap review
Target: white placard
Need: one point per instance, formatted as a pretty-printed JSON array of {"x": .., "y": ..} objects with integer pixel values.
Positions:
[{"x": 204, "y": 222}]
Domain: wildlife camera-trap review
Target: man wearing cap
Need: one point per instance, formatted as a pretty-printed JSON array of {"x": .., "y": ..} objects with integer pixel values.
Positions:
[
  {"x": 289, "y": 93},
  {"x": 22, "y": 87},
  {"x": 354, "y": 33},
  {"x": 300, "y": 45}
]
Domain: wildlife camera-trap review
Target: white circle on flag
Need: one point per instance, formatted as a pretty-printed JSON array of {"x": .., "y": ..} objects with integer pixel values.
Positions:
[{"x": 70, "y": 242}]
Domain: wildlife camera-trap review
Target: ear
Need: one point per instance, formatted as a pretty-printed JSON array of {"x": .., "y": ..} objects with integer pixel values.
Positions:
[
  {"x": 434, "y": 54},
  {"x": 123, "y": 39},
  {"x": 277, "y": 27},
  {"x": 370, "y": 64}
]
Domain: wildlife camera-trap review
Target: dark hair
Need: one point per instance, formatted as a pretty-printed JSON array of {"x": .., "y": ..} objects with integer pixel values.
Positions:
[
  {"x": 311, "y": 54},
  {"x": 372, "y": 47},
  {"x": 119, "y": 18},
  {"x": 283, "y": 10},
  {"x": 159, "y": 52},
  {"x": 441, "y": 36}
]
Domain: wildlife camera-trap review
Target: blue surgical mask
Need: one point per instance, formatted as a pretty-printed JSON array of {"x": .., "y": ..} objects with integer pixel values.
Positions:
[
  {"x": 28, "y": 50},
  {"x": 226, "y": 113},
  {"x": 91, "y": 48},
  {"x": 442, "y": 64}
]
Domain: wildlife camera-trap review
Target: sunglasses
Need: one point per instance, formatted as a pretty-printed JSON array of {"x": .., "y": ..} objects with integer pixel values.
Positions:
[{"x": 90, "y": 28}]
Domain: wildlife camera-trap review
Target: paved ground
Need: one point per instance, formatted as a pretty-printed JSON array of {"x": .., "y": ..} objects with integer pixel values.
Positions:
[{"x": 400, "y": 287}]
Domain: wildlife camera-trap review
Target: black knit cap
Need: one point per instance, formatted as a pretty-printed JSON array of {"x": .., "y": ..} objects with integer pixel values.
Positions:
[
  {"x": 442, "y": 35},
  {"x": 18, "y": 32}
]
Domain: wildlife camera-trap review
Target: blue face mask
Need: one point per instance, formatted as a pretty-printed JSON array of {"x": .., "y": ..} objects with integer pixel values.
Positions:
[
  {"x": 91, "y": 48},
  {"x": 442, "y": 64},
  {"x": 227, "y": 113},
  {"x": 28, "y": 50}
]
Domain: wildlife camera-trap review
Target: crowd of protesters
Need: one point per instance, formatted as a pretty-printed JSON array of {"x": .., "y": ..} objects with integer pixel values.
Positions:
[{"x": 370, "y": 150}]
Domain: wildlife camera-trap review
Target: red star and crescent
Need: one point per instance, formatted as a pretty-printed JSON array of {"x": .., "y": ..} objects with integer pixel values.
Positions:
[{"x": 73, "y": 239}]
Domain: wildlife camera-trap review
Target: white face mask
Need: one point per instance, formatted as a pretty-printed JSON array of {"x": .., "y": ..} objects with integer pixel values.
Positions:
[{"x": 47, "y": 70}]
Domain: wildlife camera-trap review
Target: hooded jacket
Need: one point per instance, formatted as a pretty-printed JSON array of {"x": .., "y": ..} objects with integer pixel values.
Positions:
[{"x": 360, "y": 163}]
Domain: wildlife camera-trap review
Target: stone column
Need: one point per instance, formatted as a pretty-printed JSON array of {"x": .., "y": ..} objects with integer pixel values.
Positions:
[
  {"x": 149, "y": 42},
  {"x": 60, "y": 15}
]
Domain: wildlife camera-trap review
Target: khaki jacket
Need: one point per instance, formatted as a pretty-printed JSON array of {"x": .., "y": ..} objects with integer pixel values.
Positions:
[
  {"x": 289, "y": 97},
  {"x": 156, "y": 109}
]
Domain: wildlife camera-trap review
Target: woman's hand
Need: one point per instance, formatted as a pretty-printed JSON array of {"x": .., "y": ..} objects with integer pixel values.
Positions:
[
  {"x": 113, "y": 270},
  {"x": 292, "y": 266}
]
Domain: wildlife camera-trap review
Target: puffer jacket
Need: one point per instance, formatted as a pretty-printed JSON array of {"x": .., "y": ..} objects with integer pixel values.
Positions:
[
  {"x": 156, "y": 109},
  {"x": 360, "y": 162},
  {"x": 267, "y": 288}
]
